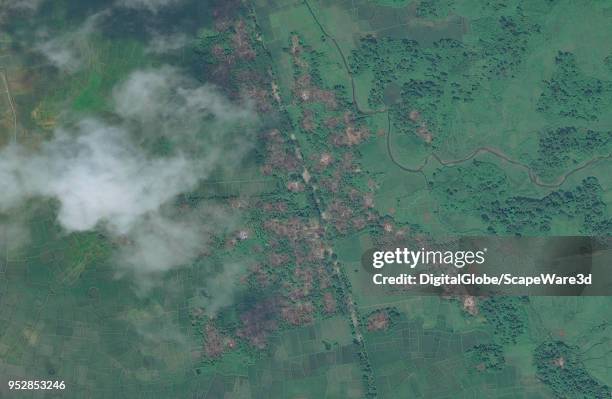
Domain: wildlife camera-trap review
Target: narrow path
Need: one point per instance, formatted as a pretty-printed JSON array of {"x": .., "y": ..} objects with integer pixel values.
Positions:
[
  {"x": 353, "y": 311},
  {"x": 345, "y": 62},
  {"x": 11, "y": 104},
  {"x": 535, "y": 179}
]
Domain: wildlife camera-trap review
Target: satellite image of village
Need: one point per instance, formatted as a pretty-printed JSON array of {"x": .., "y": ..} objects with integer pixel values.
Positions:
[{"x": 306, "y": 199}]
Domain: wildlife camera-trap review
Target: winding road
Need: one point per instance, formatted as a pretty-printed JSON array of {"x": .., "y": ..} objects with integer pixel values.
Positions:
[
  {"x": 10, "y": 101},
  {"x": 533, "y": 177}
]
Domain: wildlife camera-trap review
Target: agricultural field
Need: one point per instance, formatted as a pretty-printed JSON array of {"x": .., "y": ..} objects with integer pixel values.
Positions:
[{"x": 189, "y": 188}]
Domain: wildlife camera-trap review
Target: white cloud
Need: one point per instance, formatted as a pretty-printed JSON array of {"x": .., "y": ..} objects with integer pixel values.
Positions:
[
  {"x": 165, "y": 96},
  {"x": 61, "y": 53},
  {"x": 98, "y": 175},
  {"x": 68, "y": 52},
  {"x": 168, "y": 239},
  {"x": 219, "y": 290},
  {"x": 150, "y": 5},
  {"x": 14, "y": 235},
  {"x": 21, "y": 4},
  {"x": 106, "y": 175},
  {"x": 160, "y": 44}
]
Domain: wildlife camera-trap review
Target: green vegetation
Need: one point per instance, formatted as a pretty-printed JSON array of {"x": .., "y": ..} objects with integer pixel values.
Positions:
[
  {"x": 488, "y": 356},
  {"x": 393, "y": 3},
  {"x": 484, "y": 190},
  {"x": 569, "y": 93},
  {"x": 506, "y": 315},
  {"x": 566, "y": 147},
  {"x": 375, "y": 123},
  {"x": 559, "y": 366}
]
